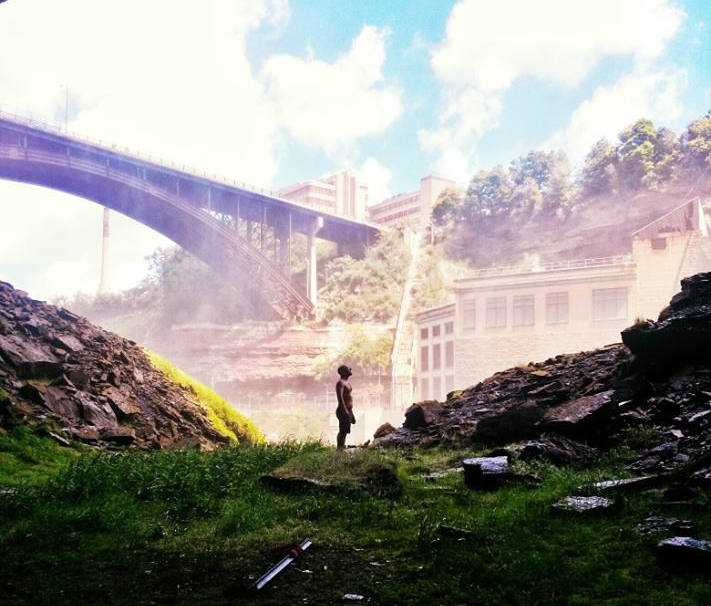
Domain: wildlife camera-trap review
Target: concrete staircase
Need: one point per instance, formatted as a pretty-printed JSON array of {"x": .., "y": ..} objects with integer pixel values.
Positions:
[
  {"x": 403, "y": 352},
  {"x": 697, "y": 256}
]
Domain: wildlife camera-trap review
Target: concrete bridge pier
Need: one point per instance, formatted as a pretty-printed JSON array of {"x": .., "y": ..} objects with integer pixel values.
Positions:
[{"x": 311, "y": 268}]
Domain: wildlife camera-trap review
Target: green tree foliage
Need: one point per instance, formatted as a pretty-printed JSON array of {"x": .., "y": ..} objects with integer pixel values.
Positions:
[
  {"x": 537, "y": 188},
  {"x": 368, "y": 356},
  {"x": 489, "y": 195},
  {"x": 599, "y": 172},
  {"x": 646, "y": 156},
  {"x": 696, "y": 144},
  {"x": 367, "y": 289},
  {"x": 636, "y": 152}
]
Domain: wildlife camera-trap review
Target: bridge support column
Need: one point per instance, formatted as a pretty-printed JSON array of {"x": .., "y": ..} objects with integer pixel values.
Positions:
[{"x": 311, "y": 267}]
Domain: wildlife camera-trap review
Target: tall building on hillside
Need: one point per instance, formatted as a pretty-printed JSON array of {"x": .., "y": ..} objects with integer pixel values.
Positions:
[
  {"x": 411, "y": 207},
  {"x": 342, "y": 193},
  {"x": 506, "y": 316}
]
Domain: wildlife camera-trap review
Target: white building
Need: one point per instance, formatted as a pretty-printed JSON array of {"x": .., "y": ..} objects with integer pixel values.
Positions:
[
  {"x": 410, "y": 208},
  {"x": 507, "y": 316},
  {"x": 342, "y": 193}
]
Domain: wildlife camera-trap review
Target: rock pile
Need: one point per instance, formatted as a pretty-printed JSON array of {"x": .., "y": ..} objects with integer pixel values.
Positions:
[
  {"x": 82, "y": 382},
  {"x": 570, "y": 405}
]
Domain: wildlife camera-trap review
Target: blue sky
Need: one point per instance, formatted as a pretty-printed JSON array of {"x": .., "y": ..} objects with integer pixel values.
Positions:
[{"x": 276, "y": 91}]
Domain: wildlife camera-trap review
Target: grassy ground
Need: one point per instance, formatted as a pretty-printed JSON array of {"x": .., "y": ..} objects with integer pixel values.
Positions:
[{"x": 197, "y": 528}]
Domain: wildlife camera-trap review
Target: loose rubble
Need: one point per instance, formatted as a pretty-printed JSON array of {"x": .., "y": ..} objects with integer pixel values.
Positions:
[{"x": 59, "y": 371}]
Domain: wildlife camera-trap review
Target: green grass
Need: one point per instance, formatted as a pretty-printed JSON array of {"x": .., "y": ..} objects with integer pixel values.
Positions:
[
  {"x": 27, "y": 458},
  {"x": 190, "y": 527},
  {"x": 225, "y": 419}
]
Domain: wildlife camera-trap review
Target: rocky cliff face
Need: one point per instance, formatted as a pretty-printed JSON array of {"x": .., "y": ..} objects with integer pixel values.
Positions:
[
  {"x": 82, "y": 382},
  {"x": 659, "y": 379}
]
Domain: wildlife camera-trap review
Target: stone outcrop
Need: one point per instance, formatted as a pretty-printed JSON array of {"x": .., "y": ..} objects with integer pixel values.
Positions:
[
  {"x": 662, "y": 382},
  {"x": 681, "y": 335},
  {"x": 59, "y": 370}
]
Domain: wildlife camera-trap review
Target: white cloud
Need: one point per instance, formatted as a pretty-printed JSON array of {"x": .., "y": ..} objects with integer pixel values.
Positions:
[
  {"x": 656, "y": 96},
  {"x": 378, "y": 178},
  {"x": 330, "y": 105},
  {"x": 168, "y": 78},
  {"x": 489, "y": 44}
]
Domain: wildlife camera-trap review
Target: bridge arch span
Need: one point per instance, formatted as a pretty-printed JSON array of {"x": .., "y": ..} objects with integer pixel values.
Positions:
[{"x": 178, "y": 205}]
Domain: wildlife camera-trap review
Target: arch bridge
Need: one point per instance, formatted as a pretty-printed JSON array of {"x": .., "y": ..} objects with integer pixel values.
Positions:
[{"x": 245, "y": 234}]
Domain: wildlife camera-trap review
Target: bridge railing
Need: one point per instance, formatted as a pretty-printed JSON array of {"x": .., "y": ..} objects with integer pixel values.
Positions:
[{"x": 56, "y": 129}]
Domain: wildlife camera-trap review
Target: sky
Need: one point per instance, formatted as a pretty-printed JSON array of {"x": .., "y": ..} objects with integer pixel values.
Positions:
[{"x": 271, "y": 92}]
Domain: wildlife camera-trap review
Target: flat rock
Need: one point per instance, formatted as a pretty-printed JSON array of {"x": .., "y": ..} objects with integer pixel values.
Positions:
[
  {"x": 558, "y": 450},
  {"x": 485, "y": 473},
  {"x": 654, "y": 524},
  {"x": 685, "y": 554},
  {"x": 624, "y": 484},
  {"x": 578, "y": 415},
  {"x": 583, "y": 505}
]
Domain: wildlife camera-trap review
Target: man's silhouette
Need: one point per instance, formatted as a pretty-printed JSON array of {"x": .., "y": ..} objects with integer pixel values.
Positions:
[{"x": 344, "y": 411}]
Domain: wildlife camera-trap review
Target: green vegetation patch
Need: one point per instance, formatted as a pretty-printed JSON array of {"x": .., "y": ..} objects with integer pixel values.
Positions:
[
  {"x": 365, "y": 470},
  {"x": 27, "y": 458},
  {"x": 225, "y": 419},
  {"x": 190, "y": 527}
]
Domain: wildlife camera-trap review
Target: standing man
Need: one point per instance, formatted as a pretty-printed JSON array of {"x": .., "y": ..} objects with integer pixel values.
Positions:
[{"x": 344, "y": 412}]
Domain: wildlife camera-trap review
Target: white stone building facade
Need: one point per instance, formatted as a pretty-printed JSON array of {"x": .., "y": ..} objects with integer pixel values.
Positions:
[{"x": 507, "y": 316}]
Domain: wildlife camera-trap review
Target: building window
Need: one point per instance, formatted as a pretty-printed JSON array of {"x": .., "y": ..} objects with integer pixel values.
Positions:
[
  {"x": 448, "y": 328},
  {"x": 469, "y": 313},
  {"x": 557, "y": 308},
  {"x": 424, "y": 358},
  {"x": 449, "y": 354},
  {"x": 436, "y": 357},
  {"x": 448, "y": 384},
  {"x": 436, "y": 388},
  {"x": 609, "y": 304},
  {"x": 435, "y": 331},
  {"x": 424, "y": 333},
  {"x": 424, "y": 389},
  {"x": 496, "y": 312},
  {"x": 523, "y": 310}
]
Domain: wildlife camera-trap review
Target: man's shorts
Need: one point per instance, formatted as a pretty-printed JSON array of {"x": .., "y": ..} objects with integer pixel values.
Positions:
[{"x": 344, "y": 425}]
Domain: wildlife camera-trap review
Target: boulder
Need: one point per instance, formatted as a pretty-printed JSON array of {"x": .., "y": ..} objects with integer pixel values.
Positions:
[
  {"x": 53, "y": 399},
  {"x": 512, "y": 424},
  {"x": 579, "y": 416},
  {"x": 383, "y": 430},
  {"x": 422, "y": 413},
  {"x": 98, "y": 415},
  {"x": 684, "y": 553},
  {"x": 682, "y": 333},
  {"x": 121, "y": 436},
  {"x": 486, "y": 473}
]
